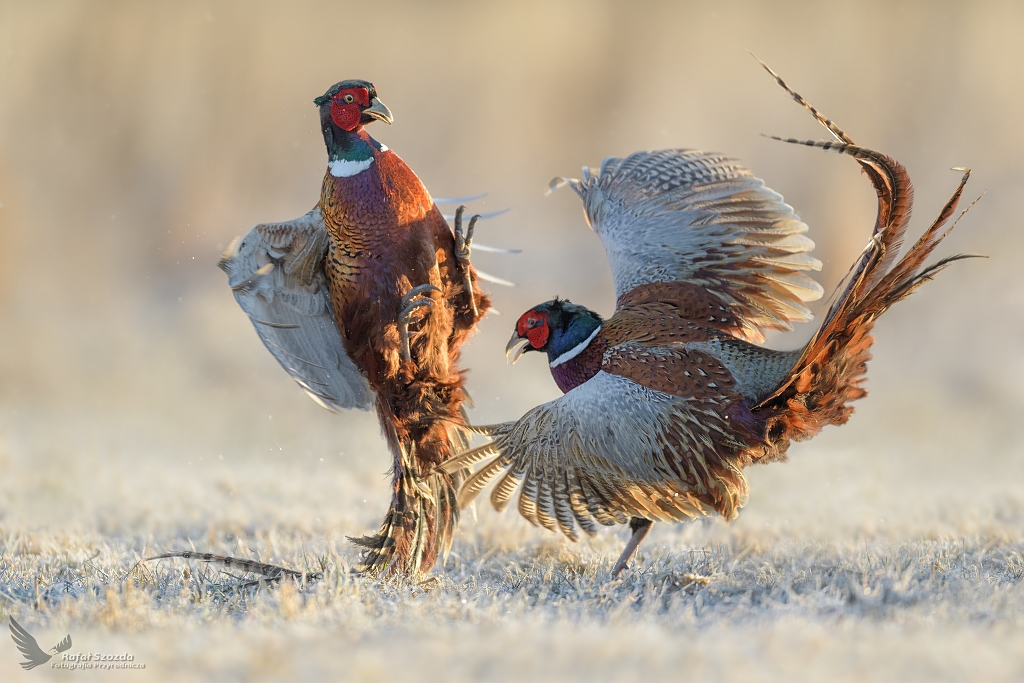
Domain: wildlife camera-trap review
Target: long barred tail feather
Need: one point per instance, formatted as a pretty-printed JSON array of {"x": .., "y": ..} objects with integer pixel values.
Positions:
[
  {"x": 269, "y": 572},
  {"x": 821, "y": 118},
  {"x": 895, "y": 192},
  {"x": 895, "y": 199},
  {"x": 828, "y": 374}
]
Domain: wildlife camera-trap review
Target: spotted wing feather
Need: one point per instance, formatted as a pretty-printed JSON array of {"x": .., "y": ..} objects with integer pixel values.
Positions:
[
  {"x": 689, "y": 216},
  {"x": 276, "y": 272}
]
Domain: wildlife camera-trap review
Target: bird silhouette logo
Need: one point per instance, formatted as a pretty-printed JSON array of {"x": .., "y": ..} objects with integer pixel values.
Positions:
[{"x": 28, "y": 646}]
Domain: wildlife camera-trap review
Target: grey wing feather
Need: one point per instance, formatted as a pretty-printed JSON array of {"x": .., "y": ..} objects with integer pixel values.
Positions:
[
  {"x": 609, "y": 449},
  {"x": 276, "y": 272},
  {"x": 686, "y": 215},
  {"x": 28, "y": 646}
]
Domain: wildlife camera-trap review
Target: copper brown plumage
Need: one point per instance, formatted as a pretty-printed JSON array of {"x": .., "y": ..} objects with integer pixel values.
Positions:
[
  {"x": 387, "y": 237},
  {"x": 364, "y": 301},
  {"x": 669, "y": 399}
]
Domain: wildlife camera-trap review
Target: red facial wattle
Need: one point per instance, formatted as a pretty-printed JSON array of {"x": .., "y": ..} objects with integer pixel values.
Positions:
[
  {"x": 347, "y": 107},
  {"x": 534, "y": 326}
]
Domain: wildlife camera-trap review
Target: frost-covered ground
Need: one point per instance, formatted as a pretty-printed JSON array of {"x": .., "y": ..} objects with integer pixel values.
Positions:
[
  {"x": 731, "y": 610},
  {"x": 872, "y": 554}
]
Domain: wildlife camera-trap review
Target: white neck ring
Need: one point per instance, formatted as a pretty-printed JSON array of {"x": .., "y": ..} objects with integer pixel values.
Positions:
[
  {"x": 343, "y": 168},
  {"x": 576, "y": 350}
]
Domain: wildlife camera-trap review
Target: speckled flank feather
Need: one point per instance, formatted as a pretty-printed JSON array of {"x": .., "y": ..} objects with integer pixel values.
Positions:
[{"x": 757, "y": 371}]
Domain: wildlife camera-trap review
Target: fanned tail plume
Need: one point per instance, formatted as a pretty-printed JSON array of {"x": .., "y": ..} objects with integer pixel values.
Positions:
[{"x": 828, "y": 374}]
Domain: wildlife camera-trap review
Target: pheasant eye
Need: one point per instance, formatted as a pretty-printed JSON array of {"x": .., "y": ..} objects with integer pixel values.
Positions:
[{"x": 349, "y": 98}]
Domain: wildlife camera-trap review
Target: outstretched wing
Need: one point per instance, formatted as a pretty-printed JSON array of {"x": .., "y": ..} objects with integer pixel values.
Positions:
[
  {"x": 276, "y": 272},
  {"x": 685, "y": 215},
  {"x": 614, "y": 448},
  {"x": 28, "y": 646}
]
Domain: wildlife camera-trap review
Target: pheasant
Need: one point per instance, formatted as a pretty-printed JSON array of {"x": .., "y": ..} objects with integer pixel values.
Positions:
[
  {"x": 366, "y": 301},
  {"x": 670, "y": 398}
]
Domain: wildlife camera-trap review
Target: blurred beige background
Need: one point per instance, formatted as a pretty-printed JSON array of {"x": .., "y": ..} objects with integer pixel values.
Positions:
[{"x": 137, "y": 139}]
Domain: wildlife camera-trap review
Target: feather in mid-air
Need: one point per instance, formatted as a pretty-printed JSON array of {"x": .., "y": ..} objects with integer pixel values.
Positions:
[
  {"x": 366, "y": 301},
  {"x": 670, "y": 398}
]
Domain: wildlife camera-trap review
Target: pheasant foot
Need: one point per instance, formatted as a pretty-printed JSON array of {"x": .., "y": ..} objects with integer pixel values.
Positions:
[
  {"x": 412, "y": 300},
  {"x": 463, "y": 243},
  {"x": 641, "y": 527}
]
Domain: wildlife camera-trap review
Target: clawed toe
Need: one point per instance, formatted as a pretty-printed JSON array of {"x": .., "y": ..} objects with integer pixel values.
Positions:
[
  {"x": 464, "y": 238},
  {"x": 413, "y": 293},
  {"x": 463, "y": 248},
  {"x": 412, "y": 300}
]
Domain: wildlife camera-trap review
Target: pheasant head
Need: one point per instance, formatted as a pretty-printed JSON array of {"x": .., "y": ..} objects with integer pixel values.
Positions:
[
  {"x": 350, "y": 104},
  {"x": 344, "y": 109},
  {"x": 559, "y": 327}
]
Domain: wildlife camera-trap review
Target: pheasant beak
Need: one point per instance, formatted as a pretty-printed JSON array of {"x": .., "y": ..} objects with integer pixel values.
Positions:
[
  {"x": 379, "y": 111},
  {"x": 515, "y": 348}
]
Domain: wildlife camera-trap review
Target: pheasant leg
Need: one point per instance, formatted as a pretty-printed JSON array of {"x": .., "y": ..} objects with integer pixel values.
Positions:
[
  {"x": 412, "y": 300},
  {"x": 641, "y": 527},
  {"x": 463, "y": 242}
]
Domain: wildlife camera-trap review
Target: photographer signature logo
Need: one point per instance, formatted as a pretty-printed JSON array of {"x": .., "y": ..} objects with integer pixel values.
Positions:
[{"x": 34, "y": 655}]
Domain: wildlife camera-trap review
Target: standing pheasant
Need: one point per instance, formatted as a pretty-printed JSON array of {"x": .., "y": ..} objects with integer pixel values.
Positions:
[
  {"x": 366, "y": 300},
  {"x": 669, "y": 399}
]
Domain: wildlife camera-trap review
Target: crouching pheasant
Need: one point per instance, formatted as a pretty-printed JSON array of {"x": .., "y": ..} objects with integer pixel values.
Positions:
[
  {"x": 366, "y": 301},
  {"x": 670, "y": 398}
]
